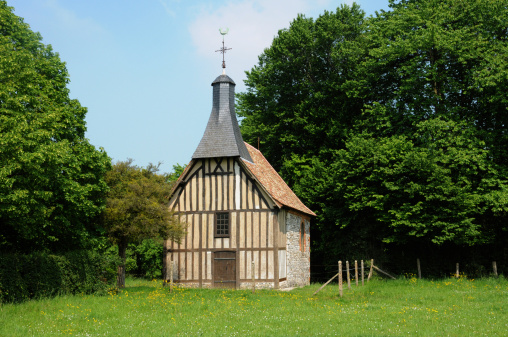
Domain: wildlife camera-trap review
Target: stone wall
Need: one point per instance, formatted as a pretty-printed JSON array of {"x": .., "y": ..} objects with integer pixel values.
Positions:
[
  {"x": 259, "y": 285},
  {"x": 298, "y": 256}
]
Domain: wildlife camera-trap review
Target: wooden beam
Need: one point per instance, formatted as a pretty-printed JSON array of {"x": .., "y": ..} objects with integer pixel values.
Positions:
[
  {"x": 387, "y": 274},
  {"x": 324, "y": 285}
]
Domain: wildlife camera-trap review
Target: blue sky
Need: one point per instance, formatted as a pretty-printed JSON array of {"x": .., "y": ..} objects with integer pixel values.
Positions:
[{"x": 144, "y": 68}]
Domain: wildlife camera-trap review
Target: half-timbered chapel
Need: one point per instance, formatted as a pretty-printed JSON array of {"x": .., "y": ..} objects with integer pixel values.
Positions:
[{"x": 239, "y": 210}]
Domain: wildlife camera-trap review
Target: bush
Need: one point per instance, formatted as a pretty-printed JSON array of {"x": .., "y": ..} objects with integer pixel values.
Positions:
[
  {"x": 149, "y": 255},
  {"x": 37, "y": 275},
  {"x": 142, "y": 259}
]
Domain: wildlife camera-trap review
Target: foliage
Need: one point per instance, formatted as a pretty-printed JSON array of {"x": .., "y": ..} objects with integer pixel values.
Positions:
[
  {"x": 142, "y": 259},
  {"x": 51, "y": 178},
  {"x": 136, "y": 208},
  {"x": 295, "y": 100},
  {"x": 39, "y": 275},
  {"x": 177, "y": 172},
  {"x": 445, "y": 58},
  {"x": 445, "y": 307},
  {"x": 149, "y": 256},
  {"x": 392, "y": 128},
  {"x": 434, "y": 185}
]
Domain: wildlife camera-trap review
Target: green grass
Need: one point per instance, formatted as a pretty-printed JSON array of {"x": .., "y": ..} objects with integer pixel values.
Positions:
[{"x": 410, "y": 307}]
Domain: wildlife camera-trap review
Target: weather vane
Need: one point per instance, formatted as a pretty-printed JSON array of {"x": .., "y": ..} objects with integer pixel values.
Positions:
[{"x": 223, "y": 50}]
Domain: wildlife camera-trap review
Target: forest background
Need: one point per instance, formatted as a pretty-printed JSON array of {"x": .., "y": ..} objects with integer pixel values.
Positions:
[{"x": 391, "y": 128}]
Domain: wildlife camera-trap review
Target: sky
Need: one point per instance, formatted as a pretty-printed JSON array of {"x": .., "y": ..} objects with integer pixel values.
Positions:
[{"x": 144, "y": 68}]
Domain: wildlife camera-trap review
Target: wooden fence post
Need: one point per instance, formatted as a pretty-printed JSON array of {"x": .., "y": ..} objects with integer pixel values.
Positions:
[
  {"x": 253, "y": 272},
  {"x": 165, "y": 273},
  {"x": 171, "y": 276},
  {"x": 356, "y": 272},
  {"x": 494, "y": 268},
  {"x": 348, "y": 279},
  {"x": 362, "y": 271},
  {"x": 419, "y": 269},
  {"x": 370, "y": 271},
  {"x": 340, "y": 278},
  {"x": 457, "y": 275}
]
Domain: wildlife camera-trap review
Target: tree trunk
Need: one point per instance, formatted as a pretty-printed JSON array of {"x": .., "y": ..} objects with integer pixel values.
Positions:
[{"x": 120, "y": 279}]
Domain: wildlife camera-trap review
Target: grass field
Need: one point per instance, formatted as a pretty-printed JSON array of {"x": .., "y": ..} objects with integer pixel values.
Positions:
[{"x": 411, "y": 307}]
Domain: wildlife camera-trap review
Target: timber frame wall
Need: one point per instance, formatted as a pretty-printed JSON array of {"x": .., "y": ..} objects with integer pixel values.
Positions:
[{"x": 257, "y": 228}]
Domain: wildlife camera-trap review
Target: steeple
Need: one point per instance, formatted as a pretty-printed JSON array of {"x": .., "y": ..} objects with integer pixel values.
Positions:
[{"x": 222, "y": 137}]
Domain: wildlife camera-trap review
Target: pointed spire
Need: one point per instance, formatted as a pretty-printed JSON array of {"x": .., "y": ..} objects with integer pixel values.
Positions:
[{"x": 222, "y": 137}]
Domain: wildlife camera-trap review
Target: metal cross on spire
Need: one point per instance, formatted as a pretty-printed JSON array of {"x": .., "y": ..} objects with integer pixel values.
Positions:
[{"x": 223, "y": 50}]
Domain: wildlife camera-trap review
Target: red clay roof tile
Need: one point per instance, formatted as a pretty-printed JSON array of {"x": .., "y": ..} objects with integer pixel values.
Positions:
[{"x": 273, "y": 183}]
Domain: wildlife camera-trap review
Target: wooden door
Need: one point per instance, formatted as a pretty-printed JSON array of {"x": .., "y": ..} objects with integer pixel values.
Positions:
[{"x": 224, "y": 270}]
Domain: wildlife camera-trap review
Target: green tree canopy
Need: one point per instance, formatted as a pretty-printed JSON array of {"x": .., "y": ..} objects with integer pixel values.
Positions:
[
  {"x": 296, "y": 102},
  {"x": 177, "y": 172},
  {"x": 137, "y": 208},
  {"x": 393, "y": 128},
  {"x": 435, "y": 185},
  {"x": 51, "y": 178},
  {"x": 445, "y": 58}
]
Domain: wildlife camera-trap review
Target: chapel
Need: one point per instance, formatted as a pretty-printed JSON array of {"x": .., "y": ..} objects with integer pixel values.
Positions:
[{"x": 243, "y": 219}]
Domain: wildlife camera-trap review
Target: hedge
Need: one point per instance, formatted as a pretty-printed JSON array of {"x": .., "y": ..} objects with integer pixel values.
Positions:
[{"x": 38, "y": 275}]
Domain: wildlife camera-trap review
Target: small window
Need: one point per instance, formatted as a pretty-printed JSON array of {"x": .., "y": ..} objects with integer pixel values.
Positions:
[
  {"x": 302, "y": 236},
  {"x": 222, "y": 225}
]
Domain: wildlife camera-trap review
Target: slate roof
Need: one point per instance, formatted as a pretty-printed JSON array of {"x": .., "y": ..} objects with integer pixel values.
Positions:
[
  {"x": 266, "y": 175},
  {"x": 222, "y": 137}
]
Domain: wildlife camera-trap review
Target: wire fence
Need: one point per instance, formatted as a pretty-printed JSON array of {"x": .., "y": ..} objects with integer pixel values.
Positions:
[{"x": 323, "y": 272}]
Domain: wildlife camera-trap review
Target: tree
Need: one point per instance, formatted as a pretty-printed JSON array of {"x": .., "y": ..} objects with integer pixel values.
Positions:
[
  {"x": 51, "y": 178},
  {"x": 436, "y": 76},
  {"x": 296, "y": 102},
  {"x": 438, "y": 58},
  {"x": 137, "y": 209},
  {"x": 177, "y": 172},
  {"x": 434, "y": 186},
  {"x": 405, "y": 139}
]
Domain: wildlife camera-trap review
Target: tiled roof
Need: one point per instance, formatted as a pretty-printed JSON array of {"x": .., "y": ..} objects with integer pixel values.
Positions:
[
  {"x": 273, "y": 183},
  {"x": 222, "y": 137}
]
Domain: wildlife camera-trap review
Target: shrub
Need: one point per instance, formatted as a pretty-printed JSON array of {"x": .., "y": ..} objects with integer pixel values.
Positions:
[
  {"x": 149, "y": 255},
  {"x": 37, "y": 275}
]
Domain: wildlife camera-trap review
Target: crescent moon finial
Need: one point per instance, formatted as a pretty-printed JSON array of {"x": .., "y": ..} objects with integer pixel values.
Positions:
[{"x": 223, "y": 31}]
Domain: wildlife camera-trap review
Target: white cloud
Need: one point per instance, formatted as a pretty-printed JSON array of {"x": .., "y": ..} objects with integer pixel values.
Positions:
[{"x": 253, "y": 24}]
